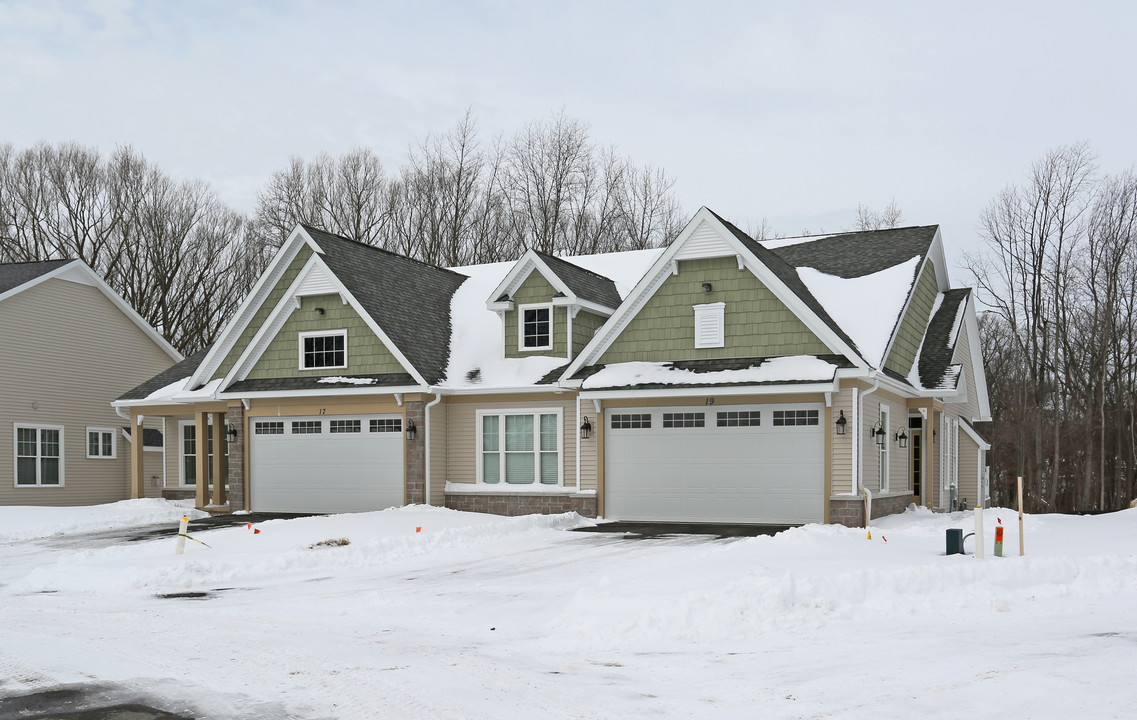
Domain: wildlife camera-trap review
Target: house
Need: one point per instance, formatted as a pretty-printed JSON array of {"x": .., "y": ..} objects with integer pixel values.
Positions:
[
  {"x": 720, "y": 379},
  {"x": 70, "y": 345}
]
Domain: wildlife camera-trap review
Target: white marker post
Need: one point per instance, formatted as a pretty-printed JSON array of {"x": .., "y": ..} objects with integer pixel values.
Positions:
[
  {"x": 980, "y": 551},
  {"x": 1021, "y": 550},
  {"x": 182, "y": 527}
]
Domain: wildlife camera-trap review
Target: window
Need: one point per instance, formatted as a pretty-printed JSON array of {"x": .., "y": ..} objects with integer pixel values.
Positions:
[
  {"x": 270, "y": 427},
  {"x": 323, "y": 350},
  {"x": 520, "y": 448},
  {"x": 631, "y": 422},
  {"x": 683, "y": 419},
  {"x": 307, "y": 427},
  {"x": 536, "y": 327},
  {"x": 188, "y": 450},
  {"x": 740, "y": 418},
  {"x": 387, "y": 425},
  {"x": 39, "y": 455},
  {"x": 785, "y": 418},
  {"x": 345, "y": 426},
  {"x": 101, "y": 442},
  {"x": 709, "y": 321}
]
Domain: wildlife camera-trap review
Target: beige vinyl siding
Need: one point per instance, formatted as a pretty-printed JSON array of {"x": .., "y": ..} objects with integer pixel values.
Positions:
[
  {"x": 462, "y": 429},
  {"x": 68, "y": 351},
  {"x": 898, "y": 480},
  {"x": 265, "y": 309},
  {"x": 842, "y": 454},
  {"x": 756, "y": 322},
  {"x": 968, "y": 469},
  {"x": 910, "y": 333},
  {"x": 438, "y": 455},
  {"x": 962, "y": 356},
  {"x": 366, "y": 353},
  {"x": 173, "y": 442},
  {"x": 536, "y": 290}
]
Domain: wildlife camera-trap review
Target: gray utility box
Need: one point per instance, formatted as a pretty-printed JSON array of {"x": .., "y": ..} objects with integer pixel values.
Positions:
[{"x": 954, "y": 541}]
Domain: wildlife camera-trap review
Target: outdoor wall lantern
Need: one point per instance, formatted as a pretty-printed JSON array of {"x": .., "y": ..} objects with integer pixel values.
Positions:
[
  {"x": 901, "y": 438},
  {"x": 411, "y": 429},
  {"x": 585, "y": 429},
  {"x": 876, "y": 432},
  {"x": 231, "y": 433},
  {"x": 707, "y": 287},
  {"x": 320, "y": 311},
  {"x": 841, "y": 423}
]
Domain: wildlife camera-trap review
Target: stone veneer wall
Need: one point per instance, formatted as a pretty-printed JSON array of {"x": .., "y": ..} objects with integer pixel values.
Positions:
[
  {"x": 416, "y": 453},
  {"x": 517, "y": 504},
  {"x": 235, "y": 471},
  {"x": 851, "y": 512}
]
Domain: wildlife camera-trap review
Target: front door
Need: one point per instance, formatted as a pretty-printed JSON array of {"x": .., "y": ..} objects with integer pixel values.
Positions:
[{"x": 916, "y": 457}]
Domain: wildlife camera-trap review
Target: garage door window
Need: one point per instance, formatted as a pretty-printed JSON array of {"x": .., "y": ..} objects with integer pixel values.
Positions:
[
  {"x": 795, "y": 417},
  {"x": 345, "y": 426},
  {"x": 387, "y": 425},
  {"x": 741, "y": 418},
  {"x": 631, "y": 421},
  {"x": 520, "y": 448},
  {"x": 307, "y": 427},
  {"x": 269, "y": 428},
  {"x": 683, "y": 420}
]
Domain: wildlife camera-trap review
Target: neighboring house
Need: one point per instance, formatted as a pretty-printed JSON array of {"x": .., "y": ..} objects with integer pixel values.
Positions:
[
  {"x": 718, "y": 380},
  {"x": 69, "y": 345}
]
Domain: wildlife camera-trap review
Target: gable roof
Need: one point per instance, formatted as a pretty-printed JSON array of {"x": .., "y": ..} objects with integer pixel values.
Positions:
[
  {"x": 934, "y": 366},
  {"x": 13, "y": 275},
  {"x": 855, "y": 254},
  {"x": 398, "y": 293},
  {"x": 585, "y": 284}
]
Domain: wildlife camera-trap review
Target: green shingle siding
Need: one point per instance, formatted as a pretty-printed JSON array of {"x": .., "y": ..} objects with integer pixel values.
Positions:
[
  {"x": 910, "y": 334},
  {"x": 584, "y": 326},
  {"x": 263, "y": 311},
  {"x": 757, "y": 323},
  {"x": 366, "y": 353},
  {"x": 535, "y": 290}
]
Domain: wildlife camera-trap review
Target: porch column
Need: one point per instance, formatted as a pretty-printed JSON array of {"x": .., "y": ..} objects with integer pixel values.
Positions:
[
  {"x": 137, "y": 459},
  {"x": 235, "y": 473},
  {"x": 219, "y": 459},
  {"x": 201, "y": 457},
  {"x": 414, "y": 482}
]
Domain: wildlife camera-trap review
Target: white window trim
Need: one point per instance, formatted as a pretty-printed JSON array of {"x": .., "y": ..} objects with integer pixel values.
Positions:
[
  {"x": 715, "y": 313},
  {"x": 322, "y": 333},
  {"x": 885, "y": 450},
  {"x": 536, "y": 412},
  {"x": 182, "y": 451},
  {"x": 16, "y": 457},
  {"x": 521, "y": 327},
  {"x": 101, "y": 431}
]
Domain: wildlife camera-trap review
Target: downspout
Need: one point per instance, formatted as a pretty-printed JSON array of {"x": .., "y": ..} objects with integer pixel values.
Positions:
[
  {"x": 426, "y": 421},
  {"x": 858, "y": 461}
]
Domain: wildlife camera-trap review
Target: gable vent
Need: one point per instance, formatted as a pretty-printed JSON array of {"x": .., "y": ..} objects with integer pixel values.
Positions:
[
  {"x": 705, "y": 242},
  {"x": 318, "y": 282},
  {"x": 709, "y": 331}
]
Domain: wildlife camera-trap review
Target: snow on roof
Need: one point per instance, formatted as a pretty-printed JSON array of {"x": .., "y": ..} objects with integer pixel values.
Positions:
[
  {"x": 175, "y": 392},
  {"x": 795, "y": 368},
  {"x": 775, "y": 243},
  {"x": 477, "y": 341},
  {"x": 865, "y": 307}
]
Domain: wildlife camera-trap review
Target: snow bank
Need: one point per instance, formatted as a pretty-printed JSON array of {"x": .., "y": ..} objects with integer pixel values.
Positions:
[{"x": 24, "y": 522}]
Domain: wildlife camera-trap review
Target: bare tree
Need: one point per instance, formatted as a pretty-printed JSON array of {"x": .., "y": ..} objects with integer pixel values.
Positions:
[{"x": 885, "y": 219}]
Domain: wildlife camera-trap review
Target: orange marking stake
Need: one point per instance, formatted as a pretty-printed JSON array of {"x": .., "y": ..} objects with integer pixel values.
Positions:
[
  {"x": 884, "y": 538},
  {"x": 418, "y": 529},
  {"x": 256, "y": 531}
]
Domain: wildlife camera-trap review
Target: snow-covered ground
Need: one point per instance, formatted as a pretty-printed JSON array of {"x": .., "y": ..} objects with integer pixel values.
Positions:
[{"x": 479, "y": 616}]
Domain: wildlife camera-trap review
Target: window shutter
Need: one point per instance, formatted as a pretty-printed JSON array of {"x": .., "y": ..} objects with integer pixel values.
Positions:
[{"x": 709, "y": 325}]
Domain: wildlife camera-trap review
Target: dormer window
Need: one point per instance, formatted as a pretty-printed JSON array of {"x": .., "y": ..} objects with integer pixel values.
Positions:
[
  {"x": 323, "y": 350},
  {"x": 536, "y": 327}
]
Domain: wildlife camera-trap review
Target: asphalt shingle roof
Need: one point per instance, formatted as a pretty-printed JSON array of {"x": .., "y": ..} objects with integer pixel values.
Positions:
[
  {"x": 935, "y": 368},
  {"x": 855, "y": 254},
  {"x": 586, "y": 284},
  {"x": 151, "y": 437},
  {"x": 408, "y": 299},
  {"x": 13, "y": 275},
  {"x": 313, "y": 383},
  {"x": 708, "y": 366},
  {"x": 176, "y": 372}
]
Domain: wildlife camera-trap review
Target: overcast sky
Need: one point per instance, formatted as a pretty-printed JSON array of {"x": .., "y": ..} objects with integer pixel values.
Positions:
[{"x": 792, "y": 111}]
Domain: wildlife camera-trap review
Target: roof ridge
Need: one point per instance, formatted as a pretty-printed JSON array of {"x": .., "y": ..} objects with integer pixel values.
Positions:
[
  {"x": 574, "y": 265},
  {"x": 385, "y": 251},
  {"x": 38, "y": 262}
]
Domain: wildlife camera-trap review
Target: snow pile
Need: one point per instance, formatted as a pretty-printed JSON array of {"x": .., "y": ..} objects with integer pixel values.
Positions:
[
  {"x": 28, "y": 522},
  {"x": 796, "y": 368},
  {"x": 347, "y": 380},
  {"x": 867, "y": 308}
]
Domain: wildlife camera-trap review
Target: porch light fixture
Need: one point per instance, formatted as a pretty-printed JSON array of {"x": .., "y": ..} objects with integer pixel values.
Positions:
[
  {"x": 901, "y": 438},
  {"x": 876, "y": 432},
  {"x": 585, "y": 429},
  {"x": 231, "y": 433},
  {"x": 320, "y": 311},
  {"x": 411, "y": 429},
  {"x": 707, "y": 287},
  {"x": 841, "y": 423}
]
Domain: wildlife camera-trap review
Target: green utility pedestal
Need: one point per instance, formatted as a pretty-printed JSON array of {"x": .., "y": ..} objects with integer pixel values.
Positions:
[{"x": 954, "y": 541}]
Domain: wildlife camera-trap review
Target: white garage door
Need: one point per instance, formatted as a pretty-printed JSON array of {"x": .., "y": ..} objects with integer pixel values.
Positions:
[
  {"x": 726, "y": 463},
  {"x": 329, "y": 463}
]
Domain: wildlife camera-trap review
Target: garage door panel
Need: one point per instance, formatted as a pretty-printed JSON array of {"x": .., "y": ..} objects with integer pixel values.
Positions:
[
  {"x": 758, "y": 474},
  {"x": 325, "y": 471}
]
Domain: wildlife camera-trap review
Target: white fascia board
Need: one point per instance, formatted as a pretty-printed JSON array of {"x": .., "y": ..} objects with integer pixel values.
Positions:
[
  {"x": 936, "y": 253},
  {"x": 252, "y": 302},
  {"x": 584, "y": 305},
  {"x": 504, "y": 306},
  {"x": 361, "y": 390},
  {"x": 983, "y": 444},
  {"x": 248, "y": 358},
  {"x": 704, "y": 390},
  {"x": 88, "y": 276},
  {"x": 520, "y": 271},
  {"x": 971, "y": 327}
]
